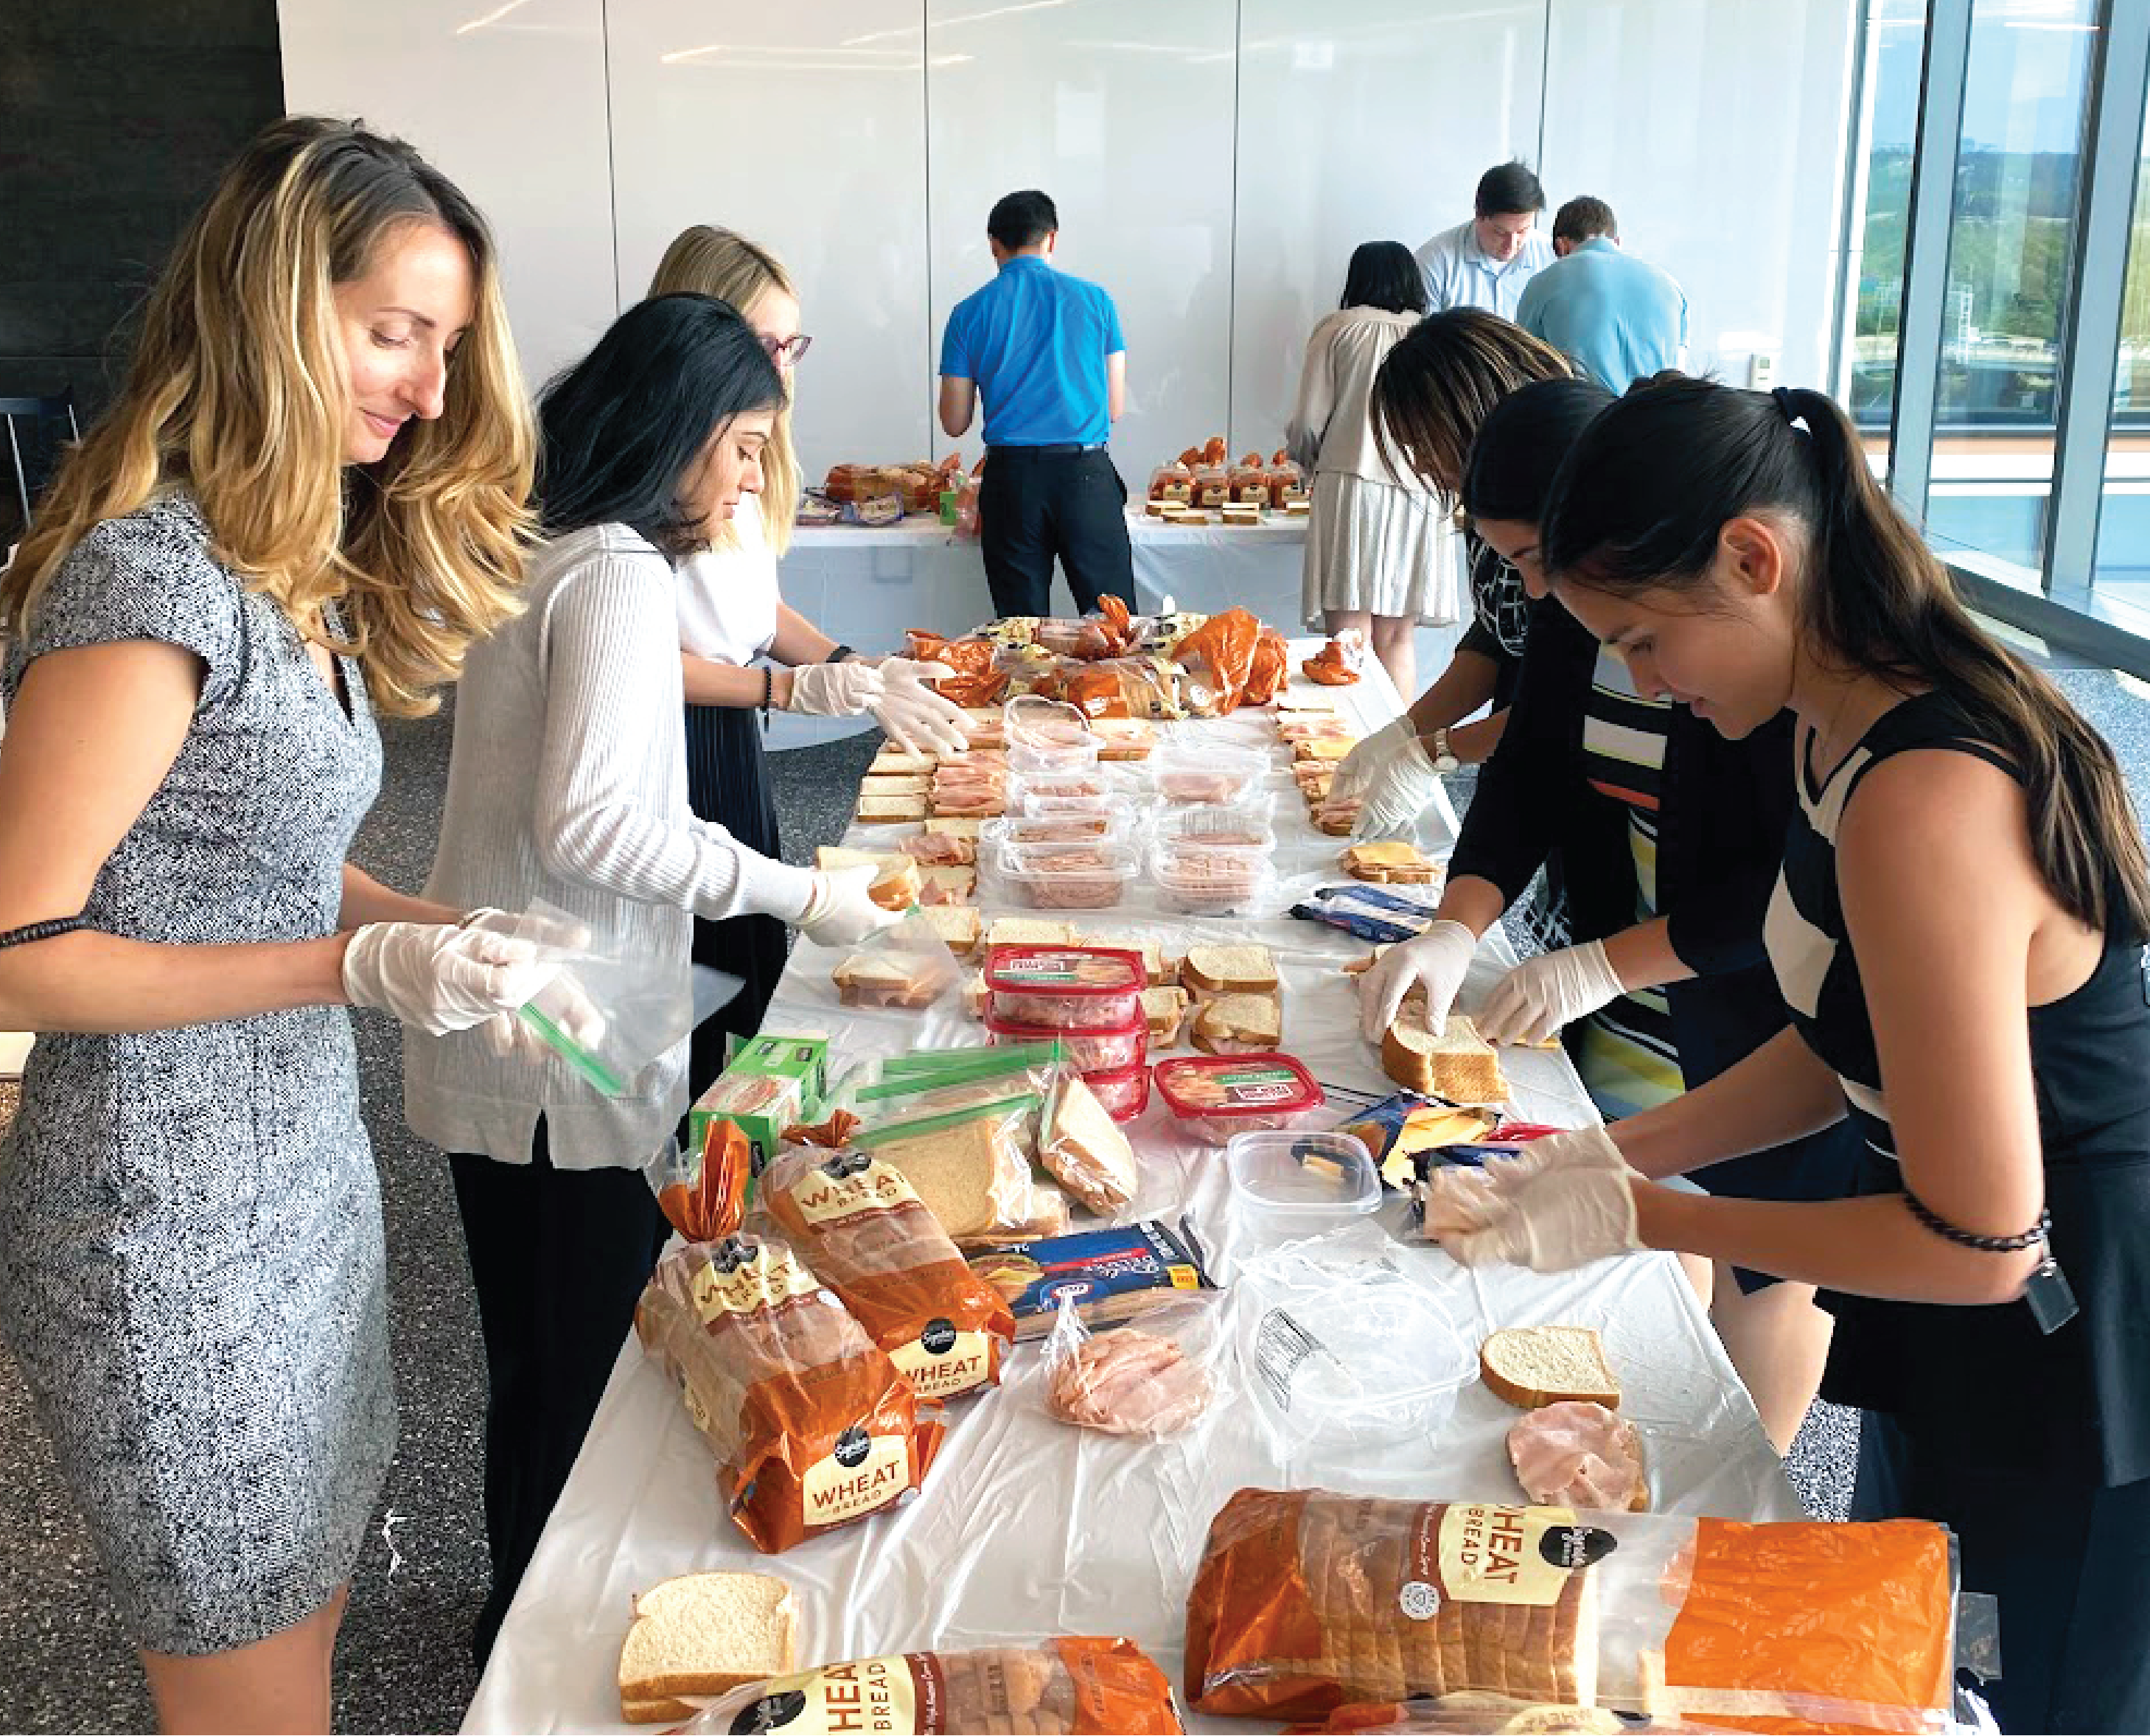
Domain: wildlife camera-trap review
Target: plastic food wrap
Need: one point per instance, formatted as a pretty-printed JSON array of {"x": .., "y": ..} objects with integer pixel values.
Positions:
[
  {"x": 1119, "y": 622},
  {"x": 1058, "y": 1687},
  {"x": 702, "y": 1191},
  {"x": 978, "y": 680},
  {"x": 1123, "y": 1091},
  {"x": 1338, "y": 662},
  {"x": 1147, "y": 687},
  {"x": 1202, "y": 879},
  {"x": 867, "y": 1236},
  {"x": 1208, "y": 772},
  {"x": 812, "y": 1425},
  {"x": 1306, "y": 1601},
  {"x": 1082, "y": 1148},
  {"x": 1153, "y": 1380},
  {"x": 1220, "y": 654},
  {"x": 969, "y": 1167},
  {"x": 1213, "y": 1097},
  {"x": 906, "y": 965},
  {"x": 1065, "y": 988},
  {"x": 1110, "y": 1275}
]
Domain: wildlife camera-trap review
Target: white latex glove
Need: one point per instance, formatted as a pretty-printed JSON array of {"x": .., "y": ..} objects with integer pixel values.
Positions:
[
  {"x": 1392, "y": 773},
  {"x": 1435, "y": 961},
  {"x": 563, "y": 1001},
  {"x": 912, "y": 715},
  {"x": 840, "y": 913},
  {"x": 1570, "y": 1203},
  {"x": 1543, "y": 995},
  {"x": 834, "y": 689},
  {"x": 436, "y": 978}
]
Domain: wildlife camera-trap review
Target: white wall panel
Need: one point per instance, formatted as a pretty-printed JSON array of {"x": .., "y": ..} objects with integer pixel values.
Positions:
[
  {"x": 1121, "y": 110},
  {"x": 1729, "y": 175},
  {"x": 1360, "y": 120},
  {"x": 508, "y": 101},
  {"x": 803, "y": 128}
]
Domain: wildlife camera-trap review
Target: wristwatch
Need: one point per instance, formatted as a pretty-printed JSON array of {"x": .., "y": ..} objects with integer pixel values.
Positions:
[{"x": 1444, "y": 762}]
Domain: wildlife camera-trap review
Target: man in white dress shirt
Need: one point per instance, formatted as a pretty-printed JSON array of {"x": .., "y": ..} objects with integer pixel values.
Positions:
[{"x": 1487, "y": 261}]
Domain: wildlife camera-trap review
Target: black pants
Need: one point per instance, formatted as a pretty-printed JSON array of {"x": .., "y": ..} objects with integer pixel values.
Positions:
[
  {"x": 558, "y": 1257},
  {"x": 728, "y": 781},
  {"x": 1033, "y": 505},
  {"x": 2070, "y": 1563}
]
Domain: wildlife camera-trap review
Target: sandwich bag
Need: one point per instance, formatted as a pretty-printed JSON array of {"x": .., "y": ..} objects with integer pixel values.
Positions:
[
  {"x": 970, "y": 1166},
  {"x": 905, "y": 964},
  {"x": 1154, "y": 1379}
]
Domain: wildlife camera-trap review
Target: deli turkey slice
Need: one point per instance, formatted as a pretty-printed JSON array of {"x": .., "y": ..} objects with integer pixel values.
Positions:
[{"x": 1579, "y": 1454}]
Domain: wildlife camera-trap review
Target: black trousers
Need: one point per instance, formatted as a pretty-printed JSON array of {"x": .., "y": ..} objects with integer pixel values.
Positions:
[
  {"x": 559, "y": 1258},
  {"x": 2070, "y": 1563},
  {"x": 1035, "y": 505},
  {"x": 728, "y": 781}
]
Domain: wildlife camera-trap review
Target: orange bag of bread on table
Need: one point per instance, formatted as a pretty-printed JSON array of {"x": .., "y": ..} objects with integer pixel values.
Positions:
[
  {"x": 1220, "y": 654},
  {"x": 1266, "y": 673},
  {"x": 1307, "y": 1600},
  {"x": 979, "y": 680},
  {"x": 866, "y": 1236},
  {"x": 1065, "y": 1687},
  {"x": 812, "y": 1424}
]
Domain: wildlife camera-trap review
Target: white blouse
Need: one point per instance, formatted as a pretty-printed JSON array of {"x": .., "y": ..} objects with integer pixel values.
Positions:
[
  {"x": 727, "y": 596},
  {"x": 1331, "y": 430}
]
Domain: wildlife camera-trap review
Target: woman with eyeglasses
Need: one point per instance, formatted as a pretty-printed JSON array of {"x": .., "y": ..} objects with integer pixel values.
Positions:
[
  {"x": 745, "y": 651},
  {"x": 1670, "y": 837}
]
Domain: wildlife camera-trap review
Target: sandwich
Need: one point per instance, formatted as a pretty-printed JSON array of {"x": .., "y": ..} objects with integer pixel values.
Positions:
[
  {"x": 950, "y": 826},
  {"x": 1331, "y": 748},
  {"x": 864, "y": 980},
  {"x": 1239, "y": 1024},
  {"x": 895, "y": 762},
  {"x": 891, "y": 810},
  {"x": 1391, "y": 863},
  {"x": 1165, "y": 1011},
  {"x": 703, "y": 1634},
  {"x": 948, "y": 884},
  {"x": 1029, "y": 932},
  {"x": 1244, "y": 968},
  {"x": 961, "y": 927},
  {"x": 896, "y": 885},
  {"x": 1455, "y": 1062},
  {"x": 903, "y": 786},
  {"x": 1083, "y": 1149}
]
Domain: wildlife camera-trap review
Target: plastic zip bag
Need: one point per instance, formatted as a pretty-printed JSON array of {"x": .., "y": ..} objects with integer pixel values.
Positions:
[
  {"x": 906, "y": 965},
  {"x": 1153, "y": 1380}
]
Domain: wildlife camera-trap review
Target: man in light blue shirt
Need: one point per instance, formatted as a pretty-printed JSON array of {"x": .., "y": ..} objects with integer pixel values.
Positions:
[
  {"x": 1044, "y": 352},
  {"x": 1622, "y": 319},
  {"x": 1485, "y": 262}
]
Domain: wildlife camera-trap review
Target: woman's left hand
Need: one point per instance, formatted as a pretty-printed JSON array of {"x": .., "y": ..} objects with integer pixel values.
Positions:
[{"x": 1544, "y": 995}]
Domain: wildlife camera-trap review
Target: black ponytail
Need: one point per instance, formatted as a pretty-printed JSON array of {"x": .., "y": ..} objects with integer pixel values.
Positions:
[
  {"x": 1521, "y": 443},
  {"x": 1640, "y": 502}
]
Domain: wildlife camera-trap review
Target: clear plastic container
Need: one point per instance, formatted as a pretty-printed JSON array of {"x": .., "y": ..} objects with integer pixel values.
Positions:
[
  {"x": 1214, "y": 1097},
  {"x": 1195, "y": 770},
  {"x": 1302, "y": 1182},
  {"x": 1112, "y": 818},
  {"x": 1032, "y": 721},
  {"x": 1241, "y": 824},
  {"x": 1065, "y": 988},
  {"x": 1052, "y": 792},
  {"x": 1087, "y": 1052},
  {"x": 1061, "y": 761},
  {"x": 1198, "y": 880},
  {"x": 1125, "y": 1093},
  {"x": 1068, "y": 876}
]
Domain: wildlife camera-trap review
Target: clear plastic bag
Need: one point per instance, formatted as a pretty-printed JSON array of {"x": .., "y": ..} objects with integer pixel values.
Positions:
[
  {"x": 905, "y": 964},
  {"x": 1082, "y": 1149},
  {"x": 970, "y": 1167},
  {"x": 1154, "y": 1380}
]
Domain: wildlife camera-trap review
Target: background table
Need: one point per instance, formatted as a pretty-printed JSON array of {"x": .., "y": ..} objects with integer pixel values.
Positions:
[{"x": 1026, "y": 1527}]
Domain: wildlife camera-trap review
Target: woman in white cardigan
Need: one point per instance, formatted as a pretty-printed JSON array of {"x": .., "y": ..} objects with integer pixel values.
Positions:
[
  {"x": 568, "y": 783},
  {"x": 1380, "y": 554}
]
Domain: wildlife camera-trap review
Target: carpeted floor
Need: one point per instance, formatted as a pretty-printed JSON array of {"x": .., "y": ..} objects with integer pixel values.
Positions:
[{"x": 404, "y": 1664}]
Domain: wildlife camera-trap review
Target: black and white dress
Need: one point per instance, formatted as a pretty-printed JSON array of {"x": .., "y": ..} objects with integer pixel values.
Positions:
[{"x": 191, "y": 1270}]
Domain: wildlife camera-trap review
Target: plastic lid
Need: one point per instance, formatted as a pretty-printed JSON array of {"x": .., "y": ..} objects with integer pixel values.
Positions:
[
  {"x": 1223, "y": 824},
  {"x": 1302, "y": 1175},
  {"x": 1259, "y": 1084},
  {"x": 1065, "y": 970}
]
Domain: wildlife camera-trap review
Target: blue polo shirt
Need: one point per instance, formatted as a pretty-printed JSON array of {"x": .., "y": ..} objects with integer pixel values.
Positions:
[
  {"x": 1035, "y": 339},
  {"x": 1621, "y": 319}
]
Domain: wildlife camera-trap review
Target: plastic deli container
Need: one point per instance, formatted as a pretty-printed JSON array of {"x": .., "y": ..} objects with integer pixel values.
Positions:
[
  {"x": 1197, "y": 879},
  {"x": 1049, "y": 792},
  {"x": 1065, "y": 988},
  {"x": 1237, "y": 826},
  {"x": 1063, "y": 760},
  {"x": 1124, "y": 1092},
  {"x": 1111, "y": 817},
  {"x": 1207, "y": 771},
  {"x": 1087, "y": 1052},
  {"x": 1068, "y": 876},
  {"x": 1213, "y": 1097},
  {"x": 1302, "y": 1182}
]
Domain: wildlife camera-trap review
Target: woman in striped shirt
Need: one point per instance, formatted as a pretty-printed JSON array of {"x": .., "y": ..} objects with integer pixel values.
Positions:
[{"x": 1958, "y": 934}]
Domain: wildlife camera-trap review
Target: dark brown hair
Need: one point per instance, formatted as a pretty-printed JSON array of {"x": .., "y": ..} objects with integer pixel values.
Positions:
[
  {"x": 1436, "y": 387},
  {"x": 1639, "y": 505}
]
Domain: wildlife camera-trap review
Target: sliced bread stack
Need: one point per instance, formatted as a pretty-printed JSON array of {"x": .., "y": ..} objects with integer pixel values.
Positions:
[{"x": 1238, "y": 1000}]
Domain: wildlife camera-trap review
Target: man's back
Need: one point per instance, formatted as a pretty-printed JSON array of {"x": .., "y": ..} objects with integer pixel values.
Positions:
[
  {"x": 1622, "y": 318},
  {"x": 1036, "y": 343}
]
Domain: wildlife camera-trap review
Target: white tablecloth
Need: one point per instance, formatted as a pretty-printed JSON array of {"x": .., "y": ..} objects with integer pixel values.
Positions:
[{"x": 1026, "y": 1528}]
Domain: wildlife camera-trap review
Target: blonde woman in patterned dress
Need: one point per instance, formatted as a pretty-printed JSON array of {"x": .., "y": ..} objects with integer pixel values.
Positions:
[{"x": 306, "y": 502}]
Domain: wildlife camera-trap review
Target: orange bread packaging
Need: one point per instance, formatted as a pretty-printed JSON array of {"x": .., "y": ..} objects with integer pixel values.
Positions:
[
  {"x": 1265, "y": 676},
  {"x": 1220, "y": 654},
  {"x": 1307, "y": 1600},
  {"x": 978, "y": 680},
  {"x": 867, "y": 1236},
  {"x": 812, "y": 1424},
  {"x": 1057, "y": 1687}
]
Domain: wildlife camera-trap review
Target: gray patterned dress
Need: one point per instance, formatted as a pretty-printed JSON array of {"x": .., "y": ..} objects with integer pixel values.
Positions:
[{"x": 191, "y": 1268}]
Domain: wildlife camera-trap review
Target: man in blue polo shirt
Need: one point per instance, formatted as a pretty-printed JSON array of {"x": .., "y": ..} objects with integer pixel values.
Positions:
[
  {"x": 1044, "y": 351},
  {"x": 1621, "y": 319}
]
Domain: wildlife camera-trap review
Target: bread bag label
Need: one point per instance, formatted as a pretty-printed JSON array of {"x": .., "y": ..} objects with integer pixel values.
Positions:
[
  {"x": 863, "y": 1472},
  {"x": 871, "y": 1697},
  {"x": 748, "y": 1286},
  {"x": 842, "y": 1188},
  {"x": 1488, "y": 1554},
  {"x": 942, "y": 1362}
]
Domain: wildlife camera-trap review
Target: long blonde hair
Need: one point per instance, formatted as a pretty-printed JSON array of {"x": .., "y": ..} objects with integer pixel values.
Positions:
[
  {"x": 239, "y": 391},
  {"x": 711, "y": 261}
]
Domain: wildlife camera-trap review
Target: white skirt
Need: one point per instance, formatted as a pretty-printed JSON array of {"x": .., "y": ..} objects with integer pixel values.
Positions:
[{"x": 1387, "y": 551}]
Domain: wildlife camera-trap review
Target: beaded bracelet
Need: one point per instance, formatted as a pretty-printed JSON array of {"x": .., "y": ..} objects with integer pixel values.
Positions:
[
  {"x": 46, "y": 931},
  {"x": 1941, "y": 1227}
]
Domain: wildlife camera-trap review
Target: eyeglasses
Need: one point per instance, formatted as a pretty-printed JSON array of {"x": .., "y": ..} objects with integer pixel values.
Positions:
[{"x": 789, "y": 349}]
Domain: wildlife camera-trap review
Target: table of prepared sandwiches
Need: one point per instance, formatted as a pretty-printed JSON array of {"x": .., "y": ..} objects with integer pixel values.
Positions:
[{"x": 1196, "y": 1424}]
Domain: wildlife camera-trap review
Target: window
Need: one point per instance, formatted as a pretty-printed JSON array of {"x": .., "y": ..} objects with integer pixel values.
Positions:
[
  {"x": 1888, "y": 109},
  {"x": 2123, "y": 535}
]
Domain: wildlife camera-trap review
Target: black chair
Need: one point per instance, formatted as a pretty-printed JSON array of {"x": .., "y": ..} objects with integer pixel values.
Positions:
[{"x": 33, "y": 442}]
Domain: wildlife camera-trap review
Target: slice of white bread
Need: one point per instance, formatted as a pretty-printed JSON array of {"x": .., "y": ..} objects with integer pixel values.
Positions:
[
  {"x": 1028, "y": 931},
  {"x": 963, "y": 1176},
  {"x": 953, "y": 826},
  {"x": 896, "y": 884},
  {"x": 1534, "y": 1365},
  {"x": 1155, "y": 967},
  {"x": 1238, "y": 1024},
  {"x": 1244, "y": 969},
  {"x": 891, "y": 810},
  {"x": 960, "y": 926},
  {"x": 909, "y": 783},
  {"x": 1165, "y": 1010},
  {"x": 1390, "y": 862},
  {"x": 1457, "y": 1063},
  {"x": 705, "y": 1634},
  {"x": 895, "y": 762}
]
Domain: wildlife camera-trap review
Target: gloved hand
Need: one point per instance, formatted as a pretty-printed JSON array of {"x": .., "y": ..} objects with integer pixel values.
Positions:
[
  {"x": 1545, "y": 994},
  {"x": 547, "y": 933},
  {"x": 563, "y": 1001},
  {"x": 437, "y": 978},
  {"x": 912, "y": 715},
  {"x": 1392, "y": 775},
  {"x": 840, "y": 913},
  {"x": 1563, "y": 1202},
  {"x": 1435, "y": 961},
  {"x": 834, "y": 689}
]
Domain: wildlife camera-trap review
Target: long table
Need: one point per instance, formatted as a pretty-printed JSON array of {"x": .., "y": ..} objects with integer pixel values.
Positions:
[{"x": 1028, "y": 1527}]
